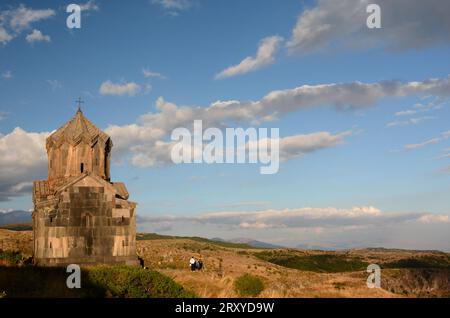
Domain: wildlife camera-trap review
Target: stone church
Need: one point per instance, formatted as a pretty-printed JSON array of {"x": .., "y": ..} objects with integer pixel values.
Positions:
[{"x": 80, "y": 216}]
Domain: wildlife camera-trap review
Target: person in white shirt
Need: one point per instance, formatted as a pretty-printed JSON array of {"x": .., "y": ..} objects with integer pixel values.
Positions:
[{"x": 192, "y": 263}]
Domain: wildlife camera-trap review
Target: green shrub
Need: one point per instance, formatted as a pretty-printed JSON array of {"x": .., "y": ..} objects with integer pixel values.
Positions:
[
  {"x": 248, "y": 285},
  {"x": 96, "y": 282},
  {"x": 135, "y": 282},
  {"x": 11, "y": 257},
  {"x": 322, "y": 263},
  {"x": 427, "y": 261}
]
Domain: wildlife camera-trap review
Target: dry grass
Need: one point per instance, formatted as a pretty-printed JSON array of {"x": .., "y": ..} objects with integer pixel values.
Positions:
[{"x": 222, "y": 265}]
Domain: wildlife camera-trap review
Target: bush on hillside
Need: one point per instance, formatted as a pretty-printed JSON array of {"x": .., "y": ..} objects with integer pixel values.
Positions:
[
  {"x": 10, "y": 257},
  {"x": 248, "y": 285}
]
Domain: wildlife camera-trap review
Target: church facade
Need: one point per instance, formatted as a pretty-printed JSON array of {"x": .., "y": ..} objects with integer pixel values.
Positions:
[{"x": 80, "y": 216}]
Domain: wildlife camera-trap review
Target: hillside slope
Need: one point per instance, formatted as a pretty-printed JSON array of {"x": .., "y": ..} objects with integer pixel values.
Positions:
[{"x": 284, "y": 272}]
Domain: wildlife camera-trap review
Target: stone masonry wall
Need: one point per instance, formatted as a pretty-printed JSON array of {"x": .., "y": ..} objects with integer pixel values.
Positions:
[{"x": 85, "y": 225}]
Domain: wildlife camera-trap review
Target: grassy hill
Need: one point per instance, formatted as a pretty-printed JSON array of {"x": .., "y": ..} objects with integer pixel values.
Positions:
[
  {"x": 154, "y": 236},
  {"x": 322, "y": 263},
  {"x": 231, "y": 270},
  {"x": 96, "y": 281},
  {"x": 17, "y": 227}
]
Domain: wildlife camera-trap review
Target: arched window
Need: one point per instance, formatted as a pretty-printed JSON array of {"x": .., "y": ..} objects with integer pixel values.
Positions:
[
  {"x": 88, "y": 220},
  {"x": 82, "y": 167}
]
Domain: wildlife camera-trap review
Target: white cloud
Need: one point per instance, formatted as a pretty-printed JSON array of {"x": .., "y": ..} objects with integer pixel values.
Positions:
[
  {"x": 444, "y": 135},
  {"x": 432, "y": 141},
  {"x": 91, "y": 5},
  {"x": 148, "y": 73},
  {"x": 14, "y": 21},
  {"x": 299, "y": 145},
  {"x": 421, "y": 108},
  {"x": 110, "y": 88},
  {"x": 409, "y": 121},
  {"x": 23, "y": 160},
  {"x": 406, "y": 112},
  {"x": 37, "y": 36},
  {"x": 174, "y": 7},
  {"x": 7, "y": 75},
  {"x": 140, "y": 138},
  {"x": 22, "y": 17},
  {"x": 146, "y": 141},
  {"x": 54, "y": 84},
  {"x": 267, "y": 50},
  {"x": 5, "y": 37},
  {"x": 447, "y": 155},
  {"x": 307, "y": 217},
  {"x": 433, "y": 218},
  {"x": 328, "y": 227},
  {"x": 406, "y": 24}
]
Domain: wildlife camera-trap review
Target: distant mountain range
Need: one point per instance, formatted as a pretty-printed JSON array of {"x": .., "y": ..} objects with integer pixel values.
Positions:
[
  {"x": 251, "y": 242},
  {"x": 15, "y": 217},
  {"x": 315, "y": 247}
]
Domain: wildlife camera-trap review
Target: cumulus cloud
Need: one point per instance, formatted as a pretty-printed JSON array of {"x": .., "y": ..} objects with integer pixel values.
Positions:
[
  {"x": 23, "y": 17},
  {"x": 37, "y": 36},
  {"x": 140, "y": 138},
  {"x": 323, "y": 228},
  {"x": 15, "y": 21},
  {"x": 267, "y": 50},
  {"x": 128, "y": 88},
  {"x": 23, "y": 160},
  {"x": 147, "y": 140},
  {"x": 148, "y": 154},
  {"x": 433, "y": 218},
  {"x": 315, "y": 227},
  {"x": 308, "y": 217},
  {"x": 299, "y": 145},
  {"x": 406, "y": 24}
]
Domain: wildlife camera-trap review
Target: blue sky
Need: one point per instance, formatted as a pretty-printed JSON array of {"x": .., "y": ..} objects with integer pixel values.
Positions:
[{"x": 45, "y": 67}]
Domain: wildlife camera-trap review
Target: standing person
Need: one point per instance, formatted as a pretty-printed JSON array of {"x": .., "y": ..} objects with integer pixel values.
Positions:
[{"x": 192, "y": 263}]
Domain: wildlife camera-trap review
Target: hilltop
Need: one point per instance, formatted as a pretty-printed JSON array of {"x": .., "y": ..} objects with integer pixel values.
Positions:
[{"x": 283, "y": 272}]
